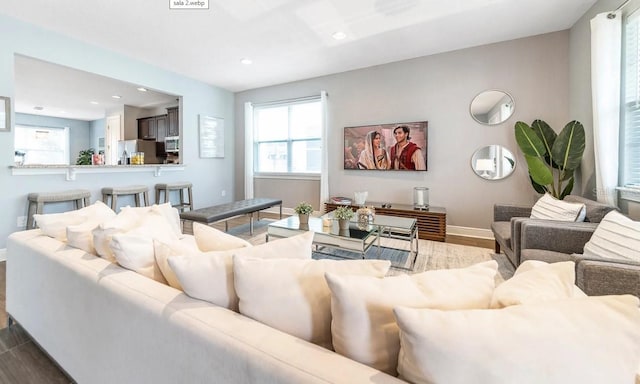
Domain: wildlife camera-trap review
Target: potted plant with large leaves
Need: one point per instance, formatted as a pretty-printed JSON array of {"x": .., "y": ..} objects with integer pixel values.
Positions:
[{"x": 551, "y": 158}]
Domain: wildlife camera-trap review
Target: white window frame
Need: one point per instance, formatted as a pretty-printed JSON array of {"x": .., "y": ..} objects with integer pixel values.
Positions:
[{"x": 256, "y": 127}]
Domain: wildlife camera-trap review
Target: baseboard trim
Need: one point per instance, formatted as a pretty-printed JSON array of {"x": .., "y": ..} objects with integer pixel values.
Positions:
[
  {"x": 3, "y": 254},
  {"x": 479, "y": 233}
]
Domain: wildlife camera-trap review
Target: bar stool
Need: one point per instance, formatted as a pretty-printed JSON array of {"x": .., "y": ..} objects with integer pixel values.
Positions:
[
  {"x": 80, "y": 198},
  {"x": 137, "y": 191},
  {"x": 179, "y": 186}
]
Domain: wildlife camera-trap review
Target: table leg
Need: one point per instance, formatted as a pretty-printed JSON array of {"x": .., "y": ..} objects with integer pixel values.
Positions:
[{"x": 251, "y": 223}]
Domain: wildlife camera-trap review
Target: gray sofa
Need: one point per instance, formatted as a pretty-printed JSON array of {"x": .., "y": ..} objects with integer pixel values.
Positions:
[
  {"x": 508, "y": 230},
  {"x": 554, "y": 242}
]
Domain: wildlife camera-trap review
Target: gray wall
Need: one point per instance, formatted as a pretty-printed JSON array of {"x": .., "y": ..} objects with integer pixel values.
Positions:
[
  {"x": 439, "y": 89},
  {"x": 209, "y": 176}
]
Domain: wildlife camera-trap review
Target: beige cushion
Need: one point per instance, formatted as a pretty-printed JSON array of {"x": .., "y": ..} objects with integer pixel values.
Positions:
[
  {"x": 123, "y": 222},
  {"x": 211, "y": 239},
  {"x": 162, "y": 251},
  {"x": 534, "y": 282},
  {"x": 80, "y": 236},
  {"x": 617, "y": 237},
  {"x": 592, "y": 340},
  {"x": 364, "y": 328},
  {"x": 55, "y": 224},
  {"x": 171, "y": 214},
  {"x": 209, "y": 275},
  {"x": 550, "y": 208},
  {"x": 134, "y": 249},
  {"x": 292, "y": 295}
]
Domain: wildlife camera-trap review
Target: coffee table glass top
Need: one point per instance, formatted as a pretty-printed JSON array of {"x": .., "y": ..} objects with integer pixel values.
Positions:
[{"x": 316, "y": 225}]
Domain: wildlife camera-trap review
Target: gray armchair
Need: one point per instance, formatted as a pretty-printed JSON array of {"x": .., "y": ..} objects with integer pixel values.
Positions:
[
  {"x": 510, "y": 227},
  {"x": 557, "y": 242}
]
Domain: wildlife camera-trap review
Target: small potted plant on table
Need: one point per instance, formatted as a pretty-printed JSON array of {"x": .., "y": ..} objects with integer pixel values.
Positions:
[
  {"x": 303, "y": 210},
  {"x": 343, "y": 213}
]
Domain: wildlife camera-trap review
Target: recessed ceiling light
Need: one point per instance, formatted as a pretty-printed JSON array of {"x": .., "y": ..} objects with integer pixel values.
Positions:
[
  {"x": 94, "y": 102},
  {"x": 142, "y": 89},
  {"x": 38, "y": 108},
  {"x": 339, "y": 35},
  {"x": 246, "y": 61},
  {"x": 116, "y": 96}
]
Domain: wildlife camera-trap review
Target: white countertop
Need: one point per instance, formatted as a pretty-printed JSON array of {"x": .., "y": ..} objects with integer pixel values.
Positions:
[{"x": 72, "y": 170}]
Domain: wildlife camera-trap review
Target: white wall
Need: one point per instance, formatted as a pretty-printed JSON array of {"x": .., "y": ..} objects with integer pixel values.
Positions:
[
  {"x": 439, "y": 89},
  {"x": 209, "y": 176}
]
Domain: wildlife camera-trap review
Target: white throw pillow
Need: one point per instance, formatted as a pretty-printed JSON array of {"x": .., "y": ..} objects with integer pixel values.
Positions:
[
  {"x": 55, "y": 224},
  {"x": 170, "y": 213},
  {"x": 134, "y": 250},
  {"x": 209, "y": 276},
  {"x": 123, "y": 222},
  {"x": 211, "y": 239},
  {"x": 550, "y": 208},
  {"x": 617, "y": 237},
  {"x": 292, "y": 295},
  {"x": 592, "y": 340},
  {"x": 162, "y": 251},
  {"x": 364, "y": 328},
  {"x": 533, "y": 283}
]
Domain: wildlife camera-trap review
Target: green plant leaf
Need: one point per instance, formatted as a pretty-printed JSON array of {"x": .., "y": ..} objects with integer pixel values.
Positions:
[
  {"x": 528, "y": 141},
  {"x": 538, "y": 170},
  {"x": 545, "y": 133},
  {"x": 569, "y": 146},
  {"x": 567, "y": 189},
  {"x": 539, "y": 188}
]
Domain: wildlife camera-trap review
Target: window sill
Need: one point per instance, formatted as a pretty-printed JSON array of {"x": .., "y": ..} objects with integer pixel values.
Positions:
[
  {"x": 287, "y": 176},
  {"x": 70, "y": 171},
  {"x": 629, "y": 193}
]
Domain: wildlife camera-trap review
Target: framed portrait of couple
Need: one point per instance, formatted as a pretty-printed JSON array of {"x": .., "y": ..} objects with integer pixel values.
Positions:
[{"x": 386, "y": 147}]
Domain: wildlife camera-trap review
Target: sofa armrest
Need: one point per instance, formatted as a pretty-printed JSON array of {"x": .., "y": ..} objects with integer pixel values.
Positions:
[
  {"x": 557, "y": 236},
  {"x": 504, "y": 212},
  {"x": 607, "y": 277}
]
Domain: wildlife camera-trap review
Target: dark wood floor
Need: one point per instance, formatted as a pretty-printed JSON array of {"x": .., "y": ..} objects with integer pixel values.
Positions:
[{"x": 21, "y": 360}]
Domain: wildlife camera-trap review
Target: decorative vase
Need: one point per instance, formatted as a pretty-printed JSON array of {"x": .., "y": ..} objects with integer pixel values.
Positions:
[
  {"x": 343, "y": 224},
  {"x": 304, "y": 218}
]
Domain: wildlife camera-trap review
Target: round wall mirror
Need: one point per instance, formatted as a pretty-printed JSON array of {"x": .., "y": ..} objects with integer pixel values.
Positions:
[
  {"x": 492, "y": 107},
  {"x": 493, "y": 162}
]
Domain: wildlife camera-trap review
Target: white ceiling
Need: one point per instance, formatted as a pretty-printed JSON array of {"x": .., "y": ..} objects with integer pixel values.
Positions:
[{"x": 290, "y": 40}]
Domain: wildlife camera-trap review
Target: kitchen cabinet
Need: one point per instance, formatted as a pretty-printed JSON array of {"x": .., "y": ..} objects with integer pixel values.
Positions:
[
  {"x": 152, "y": 128},
  {"x": 173, "y": 124},
  {"x": 147, "y": 128},
  {"x": 161, "y": 128}
]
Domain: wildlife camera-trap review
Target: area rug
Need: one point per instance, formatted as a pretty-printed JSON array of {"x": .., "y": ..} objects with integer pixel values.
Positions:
[{"x": 431, "y": 254}]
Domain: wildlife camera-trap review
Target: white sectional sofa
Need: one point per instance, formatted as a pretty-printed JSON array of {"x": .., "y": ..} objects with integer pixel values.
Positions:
[{"x": 105, "y": 324}]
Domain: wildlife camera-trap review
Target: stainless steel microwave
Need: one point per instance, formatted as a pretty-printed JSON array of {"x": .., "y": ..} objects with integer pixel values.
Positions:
[{"x": 172, "y": 144}]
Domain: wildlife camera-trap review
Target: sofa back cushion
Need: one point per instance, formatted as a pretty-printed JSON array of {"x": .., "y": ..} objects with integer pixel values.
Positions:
[
  {"x": 588, "y": 340},
  {"x": 595, "y": 211},
  {"x": 292, "y": 295},
  {"x": 617, "y": 237}
]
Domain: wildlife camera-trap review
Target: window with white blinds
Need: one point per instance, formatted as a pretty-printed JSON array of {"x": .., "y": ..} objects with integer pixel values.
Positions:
[
  {"x": 287, "y": 137},
  {"x": 630, "y": 146}
]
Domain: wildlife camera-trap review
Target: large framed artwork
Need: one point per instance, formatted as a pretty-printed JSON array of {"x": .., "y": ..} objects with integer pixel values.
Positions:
[{"x": 382, "y": 147}]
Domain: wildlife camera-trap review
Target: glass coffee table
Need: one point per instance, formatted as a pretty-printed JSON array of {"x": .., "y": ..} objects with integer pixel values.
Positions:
[{"x": 357, "y": 239}]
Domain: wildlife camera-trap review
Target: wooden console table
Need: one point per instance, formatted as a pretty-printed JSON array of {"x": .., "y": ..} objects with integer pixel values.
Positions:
[{"x": 432, "y": 222}]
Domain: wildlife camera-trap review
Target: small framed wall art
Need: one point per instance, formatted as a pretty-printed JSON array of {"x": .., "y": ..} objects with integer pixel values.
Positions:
[
  {"x": 211, "y": 131},
  {"x": 5, "y": 113}
]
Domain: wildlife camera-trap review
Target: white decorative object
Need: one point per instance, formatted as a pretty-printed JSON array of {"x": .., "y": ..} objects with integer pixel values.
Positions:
[
  {"x": 420, "y": 197},
  {"x": 360, "y": 197},
  {"x": 550, "y": 208}
]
